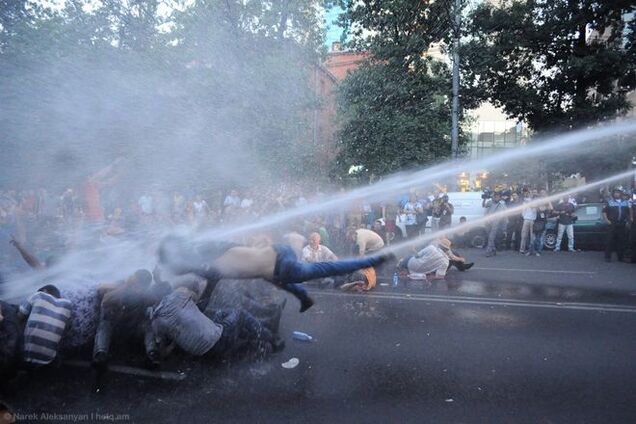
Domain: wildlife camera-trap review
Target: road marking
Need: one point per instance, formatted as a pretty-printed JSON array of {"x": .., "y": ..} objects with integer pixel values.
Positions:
[
  {"x": 601, "y": 307},
  {"x": 536, "y": 270},
  {"x": 123, "y": 369}
]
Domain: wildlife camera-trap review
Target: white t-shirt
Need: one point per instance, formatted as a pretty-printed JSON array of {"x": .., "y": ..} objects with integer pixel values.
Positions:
[
  {"x": 322, "y": 254},
  {"x": 146, "y": 204}
]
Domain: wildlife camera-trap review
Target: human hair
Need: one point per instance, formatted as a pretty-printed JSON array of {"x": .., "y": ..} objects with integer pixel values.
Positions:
[
  {"x": 143, "y": 277},
  {"x": 50, "y": 289},
  {"x": 462, "y": 218}
]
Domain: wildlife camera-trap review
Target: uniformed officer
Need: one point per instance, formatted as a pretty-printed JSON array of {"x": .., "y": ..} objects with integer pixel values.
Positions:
[{"x": 618, "y": 214}]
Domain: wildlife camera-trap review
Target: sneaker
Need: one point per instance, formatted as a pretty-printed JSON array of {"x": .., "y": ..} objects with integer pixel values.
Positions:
[
  {"x": 537, "y": 254},
  {"x": 527, "y": 253}
]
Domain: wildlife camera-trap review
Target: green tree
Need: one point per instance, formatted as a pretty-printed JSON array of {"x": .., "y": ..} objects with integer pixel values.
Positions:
[
  {"x": 219, "y": 87},
  {"x": 396, "y": 107},
  {"x": 544, "y": 61}
]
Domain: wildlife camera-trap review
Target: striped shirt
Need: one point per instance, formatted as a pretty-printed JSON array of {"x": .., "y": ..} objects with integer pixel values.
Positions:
[{"x": 48, "y": 318}]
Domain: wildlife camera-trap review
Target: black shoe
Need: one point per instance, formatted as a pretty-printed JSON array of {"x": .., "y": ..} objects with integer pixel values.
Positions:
[
  {"x": 608, "y": 259},
  {"x": 467, "y": 266},
  {"x": 306, "y": 303}
]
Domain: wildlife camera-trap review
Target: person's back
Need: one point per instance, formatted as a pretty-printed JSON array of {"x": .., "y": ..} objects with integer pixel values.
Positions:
[
  {"x": 46, "y": 322},
  {"x": 178, "y": 318},
  {"x": 368, "y": 241}
]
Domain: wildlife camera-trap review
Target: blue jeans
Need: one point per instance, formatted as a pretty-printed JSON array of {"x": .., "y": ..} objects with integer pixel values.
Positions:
[
  {"x": 289, "y": 272},
  {"x": 539, "y": 239},
  {"x": 240, "y": 330}
]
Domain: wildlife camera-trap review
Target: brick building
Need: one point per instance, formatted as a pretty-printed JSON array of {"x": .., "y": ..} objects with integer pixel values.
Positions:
[{"x": 325, "y": 78}]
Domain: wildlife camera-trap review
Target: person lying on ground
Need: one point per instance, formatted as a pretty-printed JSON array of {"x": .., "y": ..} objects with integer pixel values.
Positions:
[
  {"x": 277, "y": 264},
  {"x": 361, "y": 280},
  {"x": 178, "y": 320}
]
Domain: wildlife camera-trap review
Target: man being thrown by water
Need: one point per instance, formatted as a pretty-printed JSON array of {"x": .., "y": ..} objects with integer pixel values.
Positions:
[{"x": 277, "y": 264}]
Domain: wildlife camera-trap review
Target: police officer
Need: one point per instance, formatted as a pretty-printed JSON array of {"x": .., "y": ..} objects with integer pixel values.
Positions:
[{"x": 617, "y": 213}]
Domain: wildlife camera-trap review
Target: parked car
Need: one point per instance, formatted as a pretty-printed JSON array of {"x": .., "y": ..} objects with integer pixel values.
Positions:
[{"x": 589, "y": 229}]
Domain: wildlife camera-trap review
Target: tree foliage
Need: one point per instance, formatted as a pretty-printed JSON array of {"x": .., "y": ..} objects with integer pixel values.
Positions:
[
  {"x": 544, "y": 61},
  {"x": 212, "y": 88},
  {"x": 396, "y": 106}
]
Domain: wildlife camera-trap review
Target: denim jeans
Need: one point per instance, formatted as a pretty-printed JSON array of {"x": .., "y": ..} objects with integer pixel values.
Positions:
[
  {"x": 289, "y": 271},
  {"x": 240, "y": 330},
  {"x": 539, "y": 239}
]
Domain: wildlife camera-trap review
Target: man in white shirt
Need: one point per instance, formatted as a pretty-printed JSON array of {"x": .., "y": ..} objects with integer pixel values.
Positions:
[
  {"x": 529, "y": 215},
  {"x": 316, "y": 252}
]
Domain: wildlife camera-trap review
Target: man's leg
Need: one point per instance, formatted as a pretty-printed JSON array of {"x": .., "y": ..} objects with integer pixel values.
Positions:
[
  {"x": 570, "y": 232},
  {"x": 533, "y": 239},
  {"x": 302, "y": 271},
  {"x": 620, "y": 241},
  {"x": 633, "y": 242},
  {"x": 492, "y": 236},
  {"x": 540, "y": 240},
  {"x": 525, "y": 229},
  {"x": 609, "y": 241},
  {"x": 560, "y": 231},
  {"x": 228, "y": 343},
  {"x": 259, "y": 338},
  {"x": 102, "y": 338}
]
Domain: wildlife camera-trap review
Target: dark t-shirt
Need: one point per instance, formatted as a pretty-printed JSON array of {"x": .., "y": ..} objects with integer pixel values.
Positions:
[
  {"x": 617, "y": 211},
  {"x": 566, "y": 213}
]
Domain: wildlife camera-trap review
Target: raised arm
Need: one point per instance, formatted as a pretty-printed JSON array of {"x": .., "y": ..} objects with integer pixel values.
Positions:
[{"x": 26, "y": 255}]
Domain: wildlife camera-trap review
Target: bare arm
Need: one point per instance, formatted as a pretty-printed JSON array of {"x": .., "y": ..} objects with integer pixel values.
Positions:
[{"x": 26, "y": 255}]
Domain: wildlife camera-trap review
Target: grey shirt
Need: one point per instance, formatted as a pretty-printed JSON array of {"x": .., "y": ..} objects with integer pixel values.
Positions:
[{"x": 177, "y": 318}]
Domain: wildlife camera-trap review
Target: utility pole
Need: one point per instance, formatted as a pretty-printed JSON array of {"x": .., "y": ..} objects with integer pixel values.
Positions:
[{"x": 455, "y": 104}]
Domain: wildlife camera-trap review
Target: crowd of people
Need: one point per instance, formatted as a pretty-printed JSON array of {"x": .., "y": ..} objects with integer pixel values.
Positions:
[{"x": 170, "y": 307}]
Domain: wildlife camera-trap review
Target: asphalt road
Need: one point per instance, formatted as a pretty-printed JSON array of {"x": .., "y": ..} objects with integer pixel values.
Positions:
[{"x": 516, "y": 339}]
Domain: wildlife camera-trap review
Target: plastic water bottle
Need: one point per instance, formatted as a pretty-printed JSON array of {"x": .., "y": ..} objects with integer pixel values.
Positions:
[
  {"x": 396, "y": 279},
  {"x": 300, "y": 336}
]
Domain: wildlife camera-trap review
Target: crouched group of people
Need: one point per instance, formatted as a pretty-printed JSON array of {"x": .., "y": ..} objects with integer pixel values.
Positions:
[
  {"x": 166, "y": 309},
  {"x": 141, "y": 311}
]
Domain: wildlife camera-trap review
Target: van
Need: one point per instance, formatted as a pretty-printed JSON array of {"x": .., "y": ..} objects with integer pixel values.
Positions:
[{"x": 468, "y": 204}]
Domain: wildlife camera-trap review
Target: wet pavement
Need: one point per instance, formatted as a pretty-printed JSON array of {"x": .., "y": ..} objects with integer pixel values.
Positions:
[{"x": 512, "y": 345}]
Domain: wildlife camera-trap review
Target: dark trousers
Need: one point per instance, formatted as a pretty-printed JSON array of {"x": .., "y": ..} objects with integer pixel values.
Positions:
[
  {"x": 513, "y": 234},
  {"x": 240, "y": 331},
  {"x": 131, "y": 326},
  {"x": 615, "y": 240},
  {"x": 633, "y": 245}
]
